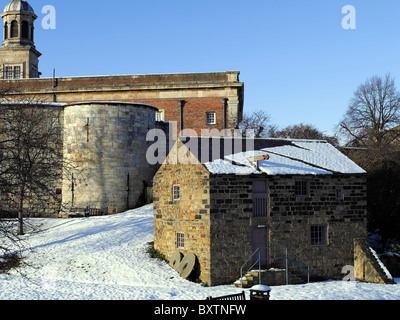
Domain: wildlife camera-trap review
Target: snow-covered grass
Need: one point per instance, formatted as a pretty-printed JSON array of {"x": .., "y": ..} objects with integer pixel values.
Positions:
[{"x": 99, "y": 258}]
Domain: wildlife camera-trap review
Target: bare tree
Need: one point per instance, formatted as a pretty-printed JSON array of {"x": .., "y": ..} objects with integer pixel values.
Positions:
[
  {"x": 257, "y": 121},
  {"x": 31, "y": 159},
  {"x": 303, "y": 131},
  {"x": 373, "y": 115}
]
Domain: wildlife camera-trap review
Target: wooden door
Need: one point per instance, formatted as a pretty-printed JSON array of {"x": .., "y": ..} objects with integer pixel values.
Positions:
[{"x": 261, "y": 240}]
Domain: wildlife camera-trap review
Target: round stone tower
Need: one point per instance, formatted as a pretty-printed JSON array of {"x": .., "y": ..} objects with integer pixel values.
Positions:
[{"x": 107, "y": 140}]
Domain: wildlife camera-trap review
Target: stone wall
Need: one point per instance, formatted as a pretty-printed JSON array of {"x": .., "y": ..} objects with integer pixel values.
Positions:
[
  {"x": 366, "y": 264},
  {"x": 189, "y": 215},
  {"x": 231, "y": 228},
  {"x": 108, "y": 143},
  {"x": 289, "y": 221},
  {"x": 291, "y": 218}
]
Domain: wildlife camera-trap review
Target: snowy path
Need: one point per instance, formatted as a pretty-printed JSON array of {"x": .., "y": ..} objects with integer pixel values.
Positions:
[{"x": 104, "y": 258}]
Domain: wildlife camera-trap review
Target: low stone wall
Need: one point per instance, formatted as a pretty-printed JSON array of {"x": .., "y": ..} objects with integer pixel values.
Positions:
[{"x": 366, "y": 265}]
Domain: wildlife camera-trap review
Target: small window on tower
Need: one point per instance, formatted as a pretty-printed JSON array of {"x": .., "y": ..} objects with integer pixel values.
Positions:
[
  {"x": 5, "y": 31},
  {"x": 17, "y": 72},
  {"x": 25, "y": 30},
  {"x": 8, "y": 73},
  {"x": 14, "y": 29}
]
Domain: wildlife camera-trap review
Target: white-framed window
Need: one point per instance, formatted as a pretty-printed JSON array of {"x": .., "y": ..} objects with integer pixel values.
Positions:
[
  {"x": 211, "y": 118},
  {"x": 8, "y": 74},
  {"x": 12, "y": 72},
  {"x": 301, "y": 188},
  {"x": 17, "y": 72},
  {"x": 180, "y": 240},
  {"x": 160, "y": 115},
  {"x": 339, "y": 194},
  {"x": 176, "y": 192},
  {"x": 319, "y": 235}
]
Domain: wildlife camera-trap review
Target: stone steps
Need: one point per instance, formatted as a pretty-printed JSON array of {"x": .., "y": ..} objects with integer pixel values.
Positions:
[
  {"x": 271, "y": 277},
  {"x": 249, "y": 280}
]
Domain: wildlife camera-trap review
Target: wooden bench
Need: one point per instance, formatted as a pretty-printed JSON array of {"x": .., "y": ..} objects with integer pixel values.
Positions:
[{"x": 239, "y": 296}]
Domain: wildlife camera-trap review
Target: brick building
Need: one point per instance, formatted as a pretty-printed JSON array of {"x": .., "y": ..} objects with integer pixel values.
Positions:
[
  {"x": 307, "y": 196},
  {"x": 193, "y": 100}
]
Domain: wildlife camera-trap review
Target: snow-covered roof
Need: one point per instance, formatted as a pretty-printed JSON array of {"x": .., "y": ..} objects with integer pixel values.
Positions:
[{"x": 287, "y": 157}]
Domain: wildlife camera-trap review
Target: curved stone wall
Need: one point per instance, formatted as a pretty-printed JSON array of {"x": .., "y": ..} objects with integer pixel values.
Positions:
[{"x": 107, "y": 140}]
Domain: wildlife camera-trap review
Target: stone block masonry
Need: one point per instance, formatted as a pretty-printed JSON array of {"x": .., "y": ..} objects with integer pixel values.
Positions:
[
  {"x": 215, "y": 214},
  {"x": 108, "y": 143},
  {"x": 189, "y": 215}
]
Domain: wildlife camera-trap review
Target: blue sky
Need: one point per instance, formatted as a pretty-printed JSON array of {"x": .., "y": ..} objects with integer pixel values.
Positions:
[{"x": 296, "y": 61}]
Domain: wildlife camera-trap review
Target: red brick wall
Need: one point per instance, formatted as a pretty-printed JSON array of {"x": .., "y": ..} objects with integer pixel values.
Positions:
[{"x": 194, "y": 112}]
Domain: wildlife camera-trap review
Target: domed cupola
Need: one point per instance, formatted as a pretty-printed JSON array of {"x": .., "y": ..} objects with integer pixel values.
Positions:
[
  {"x": 18, "y": 18},
  {"x": 19, "y": 57},
  {"x": 18, "y": 5}
]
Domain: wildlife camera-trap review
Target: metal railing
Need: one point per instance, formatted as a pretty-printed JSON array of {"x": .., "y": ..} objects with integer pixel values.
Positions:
[{"x": 281, "y": 258}]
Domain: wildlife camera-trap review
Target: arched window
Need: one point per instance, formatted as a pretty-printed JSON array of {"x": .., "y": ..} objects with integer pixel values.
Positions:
[
  {"x": 5, "y": 31},
  {"x": 25, "y": 30},
  {"x": 14, "y": 29}
]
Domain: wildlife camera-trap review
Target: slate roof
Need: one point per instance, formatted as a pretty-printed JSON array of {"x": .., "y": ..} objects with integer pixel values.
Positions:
[{"x": 286, "y": 156}]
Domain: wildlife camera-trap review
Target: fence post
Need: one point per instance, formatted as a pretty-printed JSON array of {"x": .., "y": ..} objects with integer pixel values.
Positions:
[{"x": 259, "y": 266}]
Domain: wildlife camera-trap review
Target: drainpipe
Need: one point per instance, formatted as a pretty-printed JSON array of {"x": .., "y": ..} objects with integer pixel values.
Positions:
[
  {"x": 54, "y": 85},
  {"x": 181, "y": 104},
  {"x": 225, "y": 104}
]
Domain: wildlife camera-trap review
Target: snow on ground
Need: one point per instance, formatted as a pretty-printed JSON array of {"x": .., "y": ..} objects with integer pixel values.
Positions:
[{"x": 104, "y": 258}]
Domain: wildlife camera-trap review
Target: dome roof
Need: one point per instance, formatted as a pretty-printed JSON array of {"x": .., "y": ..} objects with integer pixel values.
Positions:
[{"x": 18, "y": 5}]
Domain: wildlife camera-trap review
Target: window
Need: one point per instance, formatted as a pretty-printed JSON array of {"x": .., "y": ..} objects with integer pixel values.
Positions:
[
  {"x": 319, "y": 235},
  {"x": 8, "y": 73},
  {"x": 25, "y": 30},
  {"x": 260, "y": 198},
  {"x": 210, "y": 118},
  {"x": 180, "y": 240},
  {"x": 176, "y": 192},
  {"x": 5, "y": 31},
  {"x": 160, "y": 115},
  {"x": 14, "y": 29},
  {"x": 339, "y": 194},
  {"x": 301, "y": 188},
  {"x": 17, "y": 72}
]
